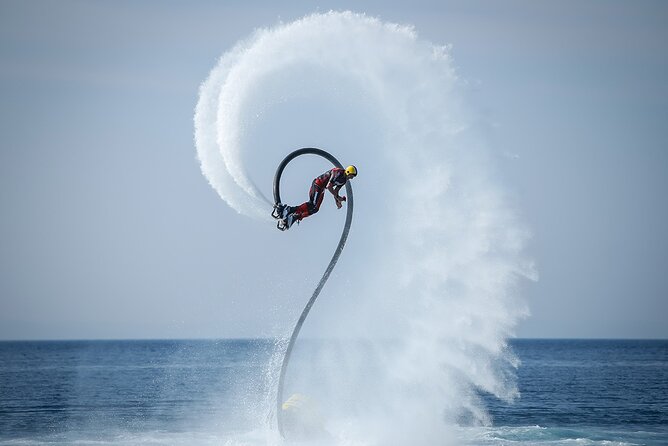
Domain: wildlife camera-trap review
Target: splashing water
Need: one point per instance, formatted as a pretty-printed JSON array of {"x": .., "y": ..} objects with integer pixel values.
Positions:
[{"x": 431, "y": 283}]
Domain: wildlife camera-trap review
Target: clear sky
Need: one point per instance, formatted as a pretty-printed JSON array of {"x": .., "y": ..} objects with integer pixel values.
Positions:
[{"x": 109, "y": 230}]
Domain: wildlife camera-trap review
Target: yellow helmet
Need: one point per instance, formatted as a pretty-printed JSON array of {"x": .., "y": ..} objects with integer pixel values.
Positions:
[{"x": 351, "y": 171}]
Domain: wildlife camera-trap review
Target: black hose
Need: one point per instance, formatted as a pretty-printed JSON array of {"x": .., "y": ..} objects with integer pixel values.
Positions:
[{"x": 325, "y": 276}]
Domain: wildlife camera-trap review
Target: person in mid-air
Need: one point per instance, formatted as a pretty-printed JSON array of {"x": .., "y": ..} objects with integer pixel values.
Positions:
[{"x": 332, "y": 180}]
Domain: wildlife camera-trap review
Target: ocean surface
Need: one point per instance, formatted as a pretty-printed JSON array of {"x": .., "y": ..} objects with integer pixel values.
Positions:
[{"x": 573, "y": 392}]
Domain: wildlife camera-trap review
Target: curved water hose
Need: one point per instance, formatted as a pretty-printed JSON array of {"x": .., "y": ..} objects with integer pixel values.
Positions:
[{"x": 325, "y": 276}]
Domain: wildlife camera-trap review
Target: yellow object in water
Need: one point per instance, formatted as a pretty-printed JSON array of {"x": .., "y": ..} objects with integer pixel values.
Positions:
[
  {"x": 296, "y": 401},
  {"x": 301, "y": 417}
]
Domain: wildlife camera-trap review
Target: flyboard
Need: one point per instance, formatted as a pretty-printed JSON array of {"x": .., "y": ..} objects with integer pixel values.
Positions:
[{"x": 278, "y": 214}]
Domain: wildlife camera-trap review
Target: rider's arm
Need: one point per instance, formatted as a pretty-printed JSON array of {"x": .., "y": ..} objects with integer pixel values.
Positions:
[
  {"x": 337, "y": 198},
  {"x": 334, "y": 190}
]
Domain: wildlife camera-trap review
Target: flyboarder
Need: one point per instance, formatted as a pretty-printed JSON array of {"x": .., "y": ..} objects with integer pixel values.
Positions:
[{"x": 332, "y": 180}]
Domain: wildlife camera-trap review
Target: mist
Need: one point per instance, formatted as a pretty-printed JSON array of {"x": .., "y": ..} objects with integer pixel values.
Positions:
[{"x": 436, "y": 251}]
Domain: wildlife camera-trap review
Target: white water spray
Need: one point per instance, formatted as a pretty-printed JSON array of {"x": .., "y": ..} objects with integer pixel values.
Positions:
[{"x": 439, "y": 252}]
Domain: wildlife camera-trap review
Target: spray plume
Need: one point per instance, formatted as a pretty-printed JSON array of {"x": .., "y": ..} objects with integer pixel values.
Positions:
[{"x": 440, "y": 251}]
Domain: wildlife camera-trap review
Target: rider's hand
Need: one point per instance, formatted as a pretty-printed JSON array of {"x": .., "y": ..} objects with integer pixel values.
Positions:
[{"x": 338, "y": 204}]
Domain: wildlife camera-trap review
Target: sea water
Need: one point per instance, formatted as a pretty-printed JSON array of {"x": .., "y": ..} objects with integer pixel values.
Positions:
[{"x": 596, "y": 392}]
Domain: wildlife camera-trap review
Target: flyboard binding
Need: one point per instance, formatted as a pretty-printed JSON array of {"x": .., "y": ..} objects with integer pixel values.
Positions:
[{"x": 281, "y": 213}]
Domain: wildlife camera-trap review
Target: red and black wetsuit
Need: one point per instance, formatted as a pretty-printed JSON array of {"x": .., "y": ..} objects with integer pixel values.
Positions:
[{"x": 333, "y": 177}]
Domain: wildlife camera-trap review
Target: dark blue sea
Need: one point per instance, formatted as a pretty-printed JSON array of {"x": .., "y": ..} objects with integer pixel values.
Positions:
[{"x": 572, "y": 392}]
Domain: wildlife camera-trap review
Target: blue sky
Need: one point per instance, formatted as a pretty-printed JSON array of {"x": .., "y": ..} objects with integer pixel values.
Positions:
[{"x": 109, "y": 230}]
